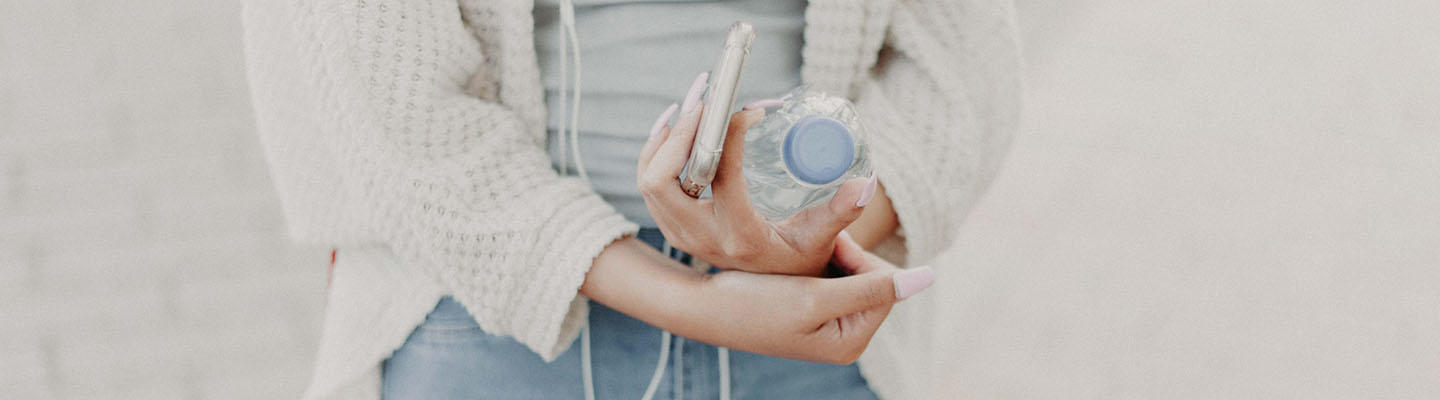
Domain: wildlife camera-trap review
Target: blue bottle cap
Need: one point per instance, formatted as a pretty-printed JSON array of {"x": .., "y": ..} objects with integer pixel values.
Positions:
[{"x": 818, "y": 150}]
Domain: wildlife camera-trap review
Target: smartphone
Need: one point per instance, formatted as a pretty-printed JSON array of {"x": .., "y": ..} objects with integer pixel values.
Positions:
[{"x": 715, "y": 118}]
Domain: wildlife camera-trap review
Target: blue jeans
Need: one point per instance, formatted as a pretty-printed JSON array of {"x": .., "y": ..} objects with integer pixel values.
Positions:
[{"x": 450, "y": 357}]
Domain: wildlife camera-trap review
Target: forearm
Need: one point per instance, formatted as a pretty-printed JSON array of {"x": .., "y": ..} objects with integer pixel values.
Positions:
[
  {"x": 635, "y": 279},
  {"x": 724, "y": 310},
  {"x": 803, "y": 318},
  {"x": 877, "y": 222}
]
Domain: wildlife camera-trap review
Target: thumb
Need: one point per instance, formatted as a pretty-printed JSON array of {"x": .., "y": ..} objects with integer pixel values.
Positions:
[
  {"x": 857, "y": 293},
  {"x": 822, "y": 222}
]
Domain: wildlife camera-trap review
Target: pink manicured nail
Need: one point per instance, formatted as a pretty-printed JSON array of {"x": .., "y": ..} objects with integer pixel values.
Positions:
[
  {"x": 766, "y": 103},
  {"x": 912, "y": 281},
  {"x": 869, "y": 192},
  {"x": 692, "y": 97},
  {"x": 660, "y": 123}
]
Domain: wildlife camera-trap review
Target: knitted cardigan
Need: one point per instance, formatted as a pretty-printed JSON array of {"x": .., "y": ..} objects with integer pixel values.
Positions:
[{"x": 411, "y": 135}]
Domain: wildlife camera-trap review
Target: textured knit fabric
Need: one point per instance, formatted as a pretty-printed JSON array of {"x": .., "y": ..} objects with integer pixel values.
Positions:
[
  {"x": 411, "y": 133},
  {"x": 666, "y": 43}
]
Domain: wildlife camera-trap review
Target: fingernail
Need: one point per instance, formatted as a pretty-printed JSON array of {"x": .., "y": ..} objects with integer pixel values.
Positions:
[
  {"x": 765, "y": 103},
  {"x": 912, "y": 281},
  {"x": 846, "y": 235},
  {"x": 869, "y": 192},
  {"x": 693, "y": 96},
  {"x": 660, "y": 123}
]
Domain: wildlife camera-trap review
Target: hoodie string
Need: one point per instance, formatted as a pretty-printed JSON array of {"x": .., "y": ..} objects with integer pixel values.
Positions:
[
  {"x": 570, "y": 49},
  {"x": 570, "y": 46},
  {"x": 569, "y": 139}
]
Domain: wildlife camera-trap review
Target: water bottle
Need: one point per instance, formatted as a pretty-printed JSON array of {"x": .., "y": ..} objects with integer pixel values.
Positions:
[{"x": 800, "y": 154}]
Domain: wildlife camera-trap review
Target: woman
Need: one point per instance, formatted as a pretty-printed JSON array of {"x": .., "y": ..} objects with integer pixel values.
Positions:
[{"x": 412, "y": 136}]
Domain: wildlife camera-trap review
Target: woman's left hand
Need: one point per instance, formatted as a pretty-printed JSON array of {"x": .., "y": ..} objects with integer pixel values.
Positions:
[{"x": 725, "y": 230}]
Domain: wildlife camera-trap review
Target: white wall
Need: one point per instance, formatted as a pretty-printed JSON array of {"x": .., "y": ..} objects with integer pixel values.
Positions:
[
  {"x": 1212, "y": 199},
  {"x": 141, "y": 247}
]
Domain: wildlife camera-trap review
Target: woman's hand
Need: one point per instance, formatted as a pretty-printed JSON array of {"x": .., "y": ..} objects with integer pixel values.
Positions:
[
  {"x": 725, "y": 230},
  {"x": 802, "y": 318},
  {"x": 812, "y": 319}
]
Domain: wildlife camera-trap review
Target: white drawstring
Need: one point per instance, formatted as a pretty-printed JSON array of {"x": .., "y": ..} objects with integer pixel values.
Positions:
[
  {"x": 679, "y": 372},
  {"x": 664, "y": 353},
  {"x": 564, "y": 53},
  {"x": 569, "y": 14},
  {"x": 570, "y": 138},
  {"x": 585, "y": 374},
  {"x": 570, "y": 131},
  {"x": 665, "y": 337},
  {"x": 724, "y": 361}
]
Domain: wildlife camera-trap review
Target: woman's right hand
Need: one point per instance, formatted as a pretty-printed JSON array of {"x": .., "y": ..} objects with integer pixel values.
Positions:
[{"x": 812, "y": 319}]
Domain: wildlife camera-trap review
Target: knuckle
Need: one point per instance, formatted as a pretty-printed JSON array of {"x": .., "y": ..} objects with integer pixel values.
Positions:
[
  {"x": 843, "y": 212},
  {"x": 651, "y": 184},
  {"x": 740, "y": 121},
  {"x": 737, "y": 118}
]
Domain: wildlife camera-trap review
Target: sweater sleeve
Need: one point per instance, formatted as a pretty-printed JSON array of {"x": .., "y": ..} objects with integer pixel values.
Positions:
[
  {"x": 460, "y": 188},
  {"x": 942, "y": 105}
]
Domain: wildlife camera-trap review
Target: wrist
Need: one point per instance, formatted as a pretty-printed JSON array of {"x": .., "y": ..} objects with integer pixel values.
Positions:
[{"x": 633, "y": 278}]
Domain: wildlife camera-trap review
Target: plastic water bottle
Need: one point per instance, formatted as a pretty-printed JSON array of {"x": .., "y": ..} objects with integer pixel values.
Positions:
[{"x": 800, "y": 154}]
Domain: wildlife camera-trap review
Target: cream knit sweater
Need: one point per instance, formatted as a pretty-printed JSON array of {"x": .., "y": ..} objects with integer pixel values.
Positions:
[{"x": 410, "y": 134}]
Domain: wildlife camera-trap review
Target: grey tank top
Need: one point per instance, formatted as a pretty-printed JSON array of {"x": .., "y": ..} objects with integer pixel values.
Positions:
[{"x": 640, "y": 56}]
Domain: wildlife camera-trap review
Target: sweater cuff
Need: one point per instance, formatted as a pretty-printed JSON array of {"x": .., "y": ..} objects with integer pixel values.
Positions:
[{"x": 550, "y": 309}]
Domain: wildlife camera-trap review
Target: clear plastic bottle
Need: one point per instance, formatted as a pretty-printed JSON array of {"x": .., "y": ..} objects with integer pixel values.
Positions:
[{"x": 801, "y": 153}]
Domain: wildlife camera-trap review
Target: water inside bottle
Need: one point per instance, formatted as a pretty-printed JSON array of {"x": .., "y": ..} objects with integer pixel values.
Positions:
[{"x": 776, "y": 190}]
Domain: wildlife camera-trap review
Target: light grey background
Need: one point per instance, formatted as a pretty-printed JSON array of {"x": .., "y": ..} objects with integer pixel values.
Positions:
[
  {"x": 1211, "y": 199},
  {"x": 142, "y": 253}
]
